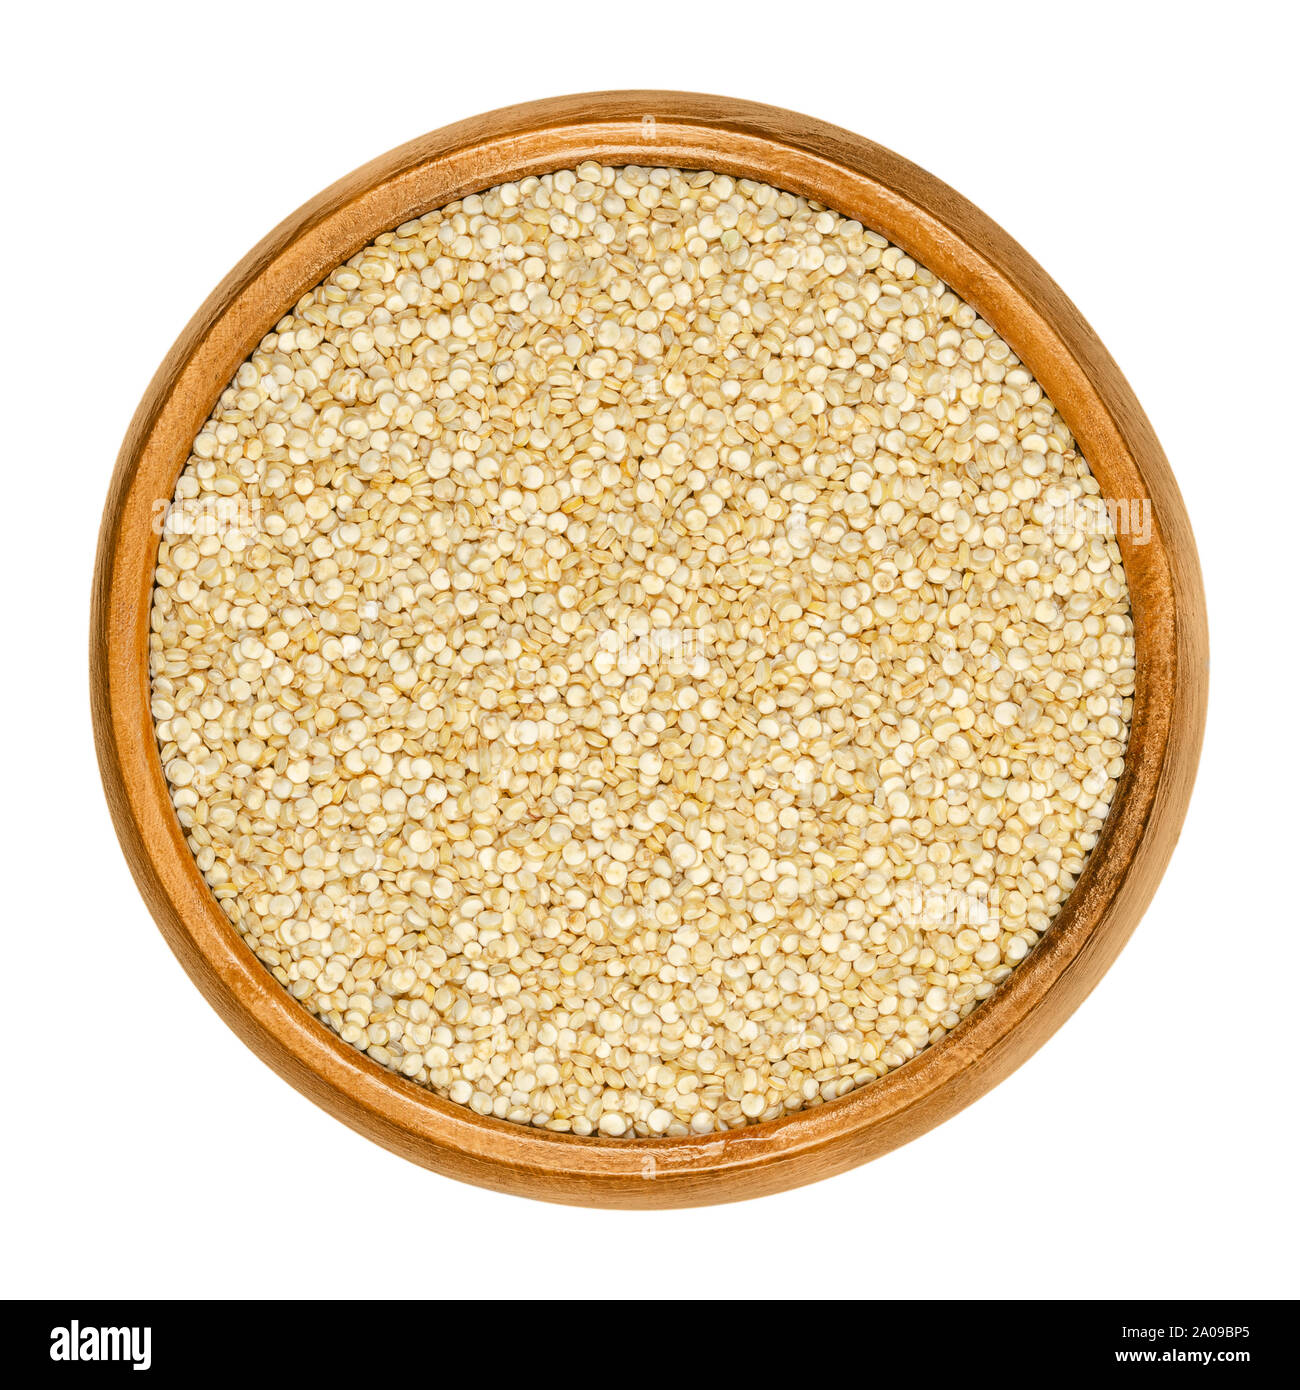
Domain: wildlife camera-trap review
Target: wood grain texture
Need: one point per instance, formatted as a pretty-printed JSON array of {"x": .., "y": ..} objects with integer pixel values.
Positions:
[{"x": 991, "y": 272}]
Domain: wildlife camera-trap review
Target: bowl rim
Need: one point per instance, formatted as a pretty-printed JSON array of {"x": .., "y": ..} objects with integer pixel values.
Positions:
[{"x": 983, "y": 265}]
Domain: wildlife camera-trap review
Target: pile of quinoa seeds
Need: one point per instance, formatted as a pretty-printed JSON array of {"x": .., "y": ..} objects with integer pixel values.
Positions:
[{"x": 614, "y": 662}]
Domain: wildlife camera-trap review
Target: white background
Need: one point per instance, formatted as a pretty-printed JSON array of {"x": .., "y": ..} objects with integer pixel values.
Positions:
[{"x": 1144, "y": 154}]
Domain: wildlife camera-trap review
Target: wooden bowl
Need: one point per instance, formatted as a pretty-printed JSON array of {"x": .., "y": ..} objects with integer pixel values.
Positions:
[{"x": 981, "y": 264}]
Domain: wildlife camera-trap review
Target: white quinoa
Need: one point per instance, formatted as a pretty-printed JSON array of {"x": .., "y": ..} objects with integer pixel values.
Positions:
[{"x": 612, "y": 662}]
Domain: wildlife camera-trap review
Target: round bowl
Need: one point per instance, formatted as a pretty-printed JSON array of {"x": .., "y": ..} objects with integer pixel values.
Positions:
[{"x": 979, "y": 262}]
